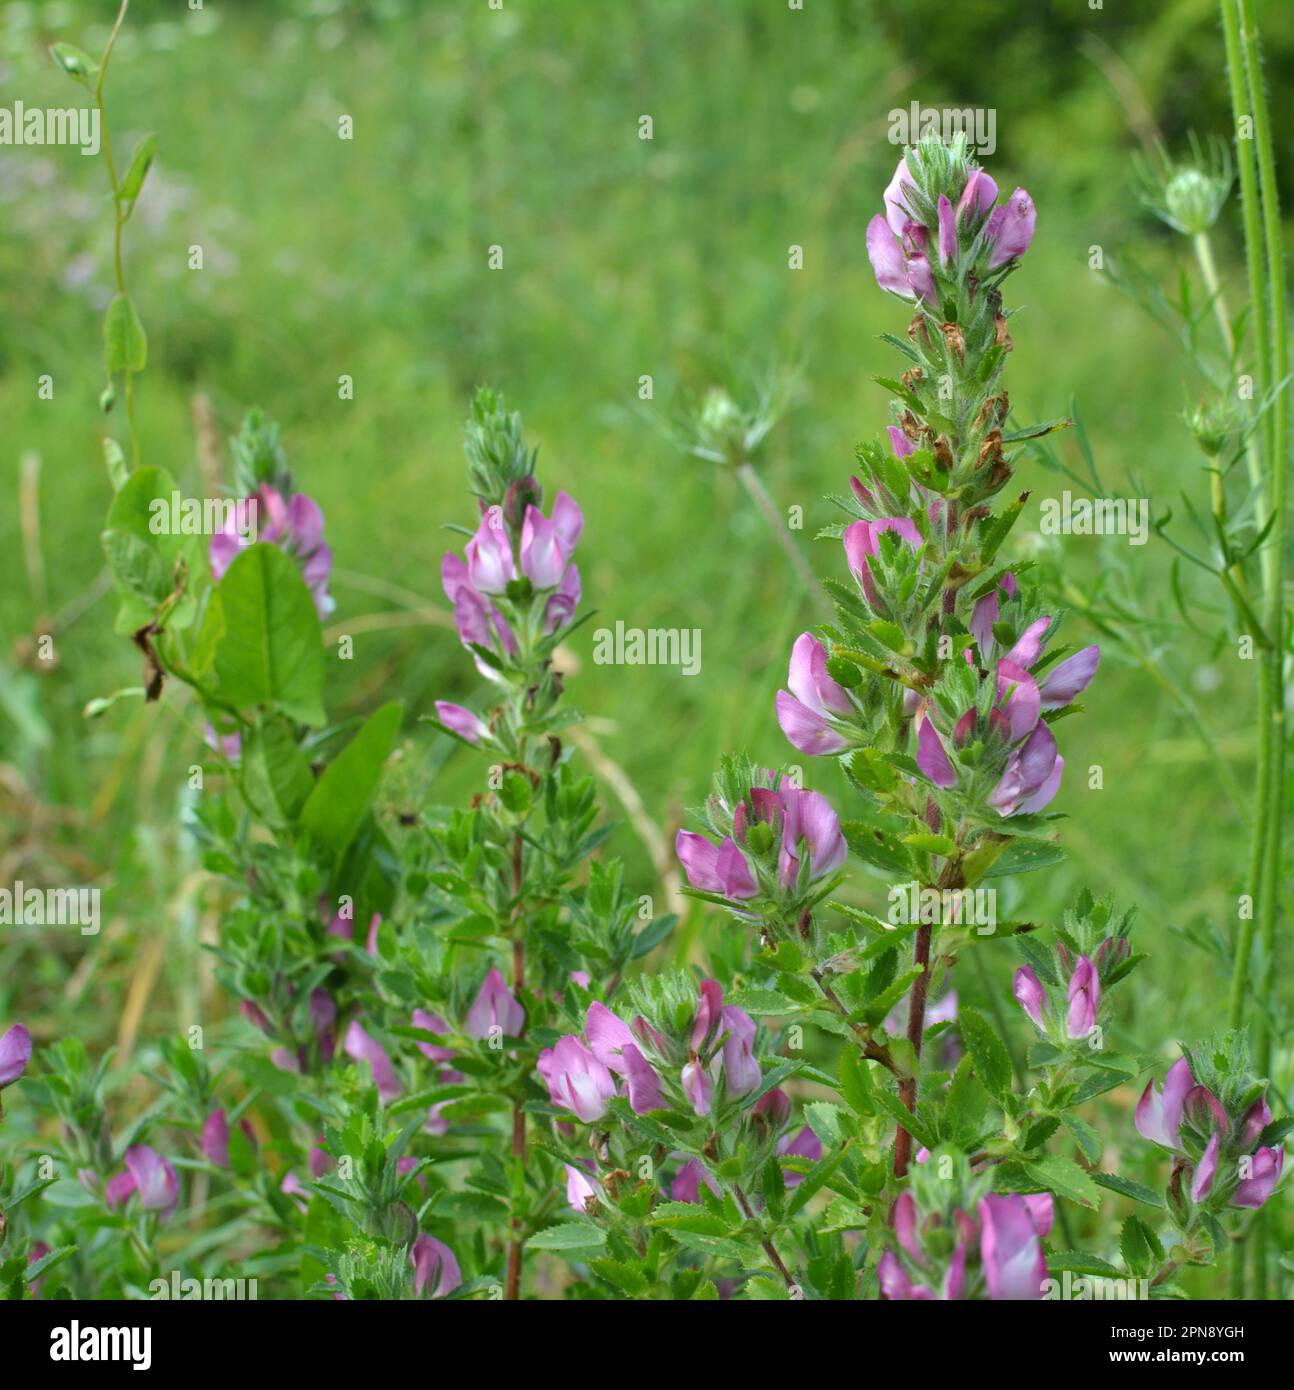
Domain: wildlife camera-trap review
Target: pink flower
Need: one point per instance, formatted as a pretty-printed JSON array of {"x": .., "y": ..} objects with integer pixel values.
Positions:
[
  {"x": 148, "y": 1176},
  {"x": 1084, "y": 998},
  {"x": 494, "y": 1007},
  {"x": 715, "y": 868},
  {"x": 362, "y": 1048},
  {"x": 1010, "y": 1249},
  {"x": 434, "y": 1267},
  {"x": 578, "y": 1189},
  {"x": 1011, "y": 228},
  {"x": 490, "y": 566},
  {"x": 15, "y": 1053},
  {"x": 1264, "y": 1174},
  {"x": 1159, "y": 1114},
  {"x": 295, "y": 525},
  {"x": 462, "y": 721},
  {"x": 577, "y": 1081},
  {"x": 806, "y": 714}
]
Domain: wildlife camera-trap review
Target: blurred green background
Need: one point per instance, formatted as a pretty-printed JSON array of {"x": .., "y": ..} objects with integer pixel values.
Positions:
[{"x": 622, "y": 258}]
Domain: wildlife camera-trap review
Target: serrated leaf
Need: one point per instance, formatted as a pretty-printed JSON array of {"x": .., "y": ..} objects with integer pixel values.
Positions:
[
  {"x": 1125, "y": 1187},
  {"x": 992, "y": 1061},
  {"x": 1065, "y": 1178},
  {"x": 567, "y": 1236}
]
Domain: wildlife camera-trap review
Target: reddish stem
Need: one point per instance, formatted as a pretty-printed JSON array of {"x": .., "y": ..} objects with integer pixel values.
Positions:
[{"x": 916, "y": 1028}]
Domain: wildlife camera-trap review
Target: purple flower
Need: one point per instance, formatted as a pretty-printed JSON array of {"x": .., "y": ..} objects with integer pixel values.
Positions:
[
  {"x": 1084, "y": 997},
  {"x": 1010, "y": 228},
  {"x": 709, "y": 1014},
  {"x": 577, "y": 1081},
  {"x": 462, "y": 721},
  {"x": 294, "y": 525},
  {"x": 862, "y": 542},
  {"x": 809, "y": 820},
  {"x": 715, "y": 868},
  {"x": 697, "y": 1087},
  {"x": 1257, "y": 1118},
  {"x": 931, "y": 758},
  {"x": 15, "y": 1053},
  {"x": 215, "y": 1139},
  {"x": 1205, "y": 1170},
  {"x": 978, "y": 196},
  {"x": 1264, "y": 1173},
  {"x": 578, "y": 1189},
  {"x": 494, "y": 1007},
  {"x": 434, "y": 1267},
  {"x": 1067, "y": 680},
  {"x": 899, "y": 260},
  {"x": 614, "y": 1045},
  {"x": 560, "y": 609},
  {"x": 1029, "y": 993},
  {"x": 149, "y": 1177},
  {"x": 1010, "y": 1249},
  {"x": 432, "y": 1023},
  {"x": 686, "y": 1186},
  {"x": 805, "y": 714},
  {"x": 947, "y": 231},
  {"x": 543, "y": 553},
  {"x": 490, "y": 566},
  {"x": 1159, "y": 1114},
  {"x": 896, "y": 1285},
  {"x": 362, "y": 1048},
  {"x": 804, "y": 1144},
  {"x": 741, "y": 1072}
]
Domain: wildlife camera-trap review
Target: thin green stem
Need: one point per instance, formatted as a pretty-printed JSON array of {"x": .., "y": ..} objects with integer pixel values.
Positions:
[
  {"x": 750, "y": 480},
  {"x": 1246, "y": 163}
]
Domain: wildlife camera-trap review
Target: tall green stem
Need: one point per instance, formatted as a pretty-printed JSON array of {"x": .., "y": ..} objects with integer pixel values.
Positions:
[{"x": 1266, "y": 263}]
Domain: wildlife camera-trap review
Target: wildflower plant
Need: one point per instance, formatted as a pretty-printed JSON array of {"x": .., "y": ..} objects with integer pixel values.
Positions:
[{"x": 444, "y": 1067}]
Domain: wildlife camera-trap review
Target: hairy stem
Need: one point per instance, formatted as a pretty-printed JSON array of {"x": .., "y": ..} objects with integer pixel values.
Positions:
[{"x": 768, "y": 510}]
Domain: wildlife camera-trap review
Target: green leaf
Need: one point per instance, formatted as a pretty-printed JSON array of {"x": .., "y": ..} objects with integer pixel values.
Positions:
[
  {"x": 567, "y": 1236},
  {"x": 816, "y": 1179},
  {"x": 74, "y": 61},
  {"x": 147, "y": 564},
  {"x": 342, "y": 795},
  {"x": 1140, "y": 1247},
  {"x": 261, "y": 636},
  {"x": 1088, "y": 1139},
  {"x": 856, "y": 1082},
  {"x": 125, "y": 344},
  {"x": 1024, "y": 857},
  {"x": 1125, "y": 1187},
  {"x": 276, "y": 775},
  {"x": 141, "y": 161},
  {"x": 1078, "y": 1262},
  {"x": 992, "y": 1061},
  {"x": 1065, "y": 1178}
]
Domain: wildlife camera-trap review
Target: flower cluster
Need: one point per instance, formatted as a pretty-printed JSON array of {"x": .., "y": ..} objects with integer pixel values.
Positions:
[
  {"x": 778, "y": 841},
  {"x": 957, "y": 1240},
  {"x": 1214, "y": 1119}
]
